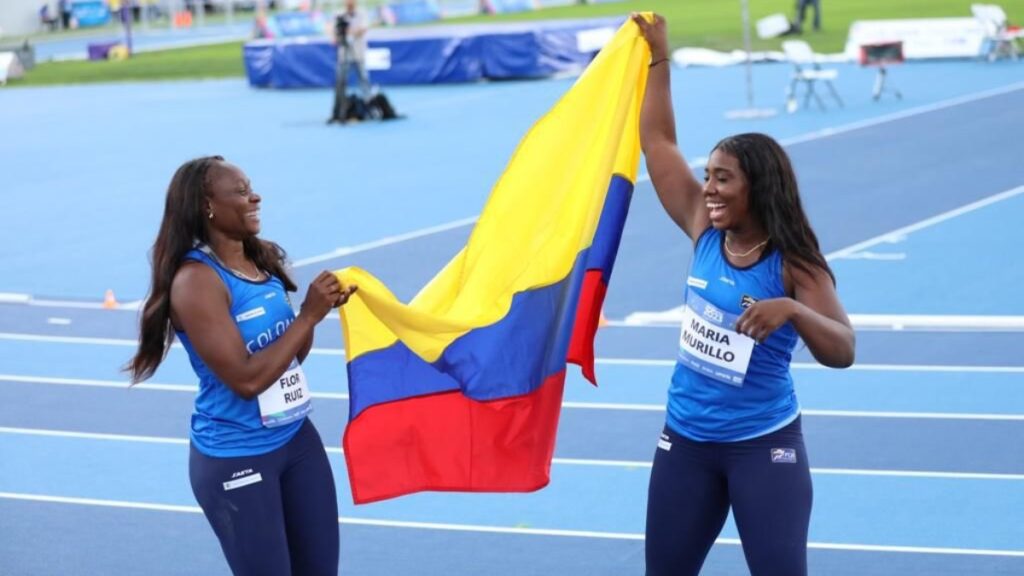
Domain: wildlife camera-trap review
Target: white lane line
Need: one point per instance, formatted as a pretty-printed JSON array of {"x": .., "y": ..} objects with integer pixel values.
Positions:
[
  {"x": 598, "y": 535},
  {"x": 559, "y": 461},
  {"x": 915, "y": 415},
  {"x": 93, "y": 436},
  {"x": 84, "y": 340},
  {"x": 937, "y": 322},
  {"x": 697, "y": 163},
  {"x": 856, "y": 367},
  {"x": 98, "y": 502},
  {"x": 118, "y": 384},
  {"x": 399, "y": 238},
  {"x": 15, "y": 298},
  {"x": 897, "y": 234},
  {"x": 673, "y": 316},
  {"x": 917, "y": 474},
  {"x": 89, "y": 340},
  {"x": 18, "y": 337},
  {"x": 823, "y": 413},
  {"x": 382, "y": 242},
  {"x": 20, "y": 298},
  {"x": 916, "y": 111},
  {"x": 124, "y": 385}
]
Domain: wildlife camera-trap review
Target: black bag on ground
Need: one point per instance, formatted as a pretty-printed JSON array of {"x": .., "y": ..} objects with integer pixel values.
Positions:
[
  {"x": 380, "y": 107},
  {"x": 357, "y": 108},
  {"x": 376, "y": 108}
]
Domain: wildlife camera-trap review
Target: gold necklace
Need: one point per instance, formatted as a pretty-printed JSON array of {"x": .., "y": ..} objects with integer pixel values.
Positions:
[
  {"x": 748, "y": 252},
  {"x": 257, "y": 278},
  {"x": 205, "y": 248}
]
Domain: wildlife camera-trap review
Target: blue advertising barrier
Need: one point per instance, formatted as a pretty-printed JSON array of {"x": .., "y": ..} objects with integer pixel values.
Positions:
[
  {"x": 90, "y": 13},
  {"x": 438, "y": 54}
]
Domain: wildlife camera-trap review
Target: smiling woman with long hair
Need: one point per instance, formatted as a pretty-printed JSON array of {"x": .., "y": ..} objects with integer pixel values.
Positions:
[
  {"x": 757, "y": 283},
  {"x": 257, "y": 465}
]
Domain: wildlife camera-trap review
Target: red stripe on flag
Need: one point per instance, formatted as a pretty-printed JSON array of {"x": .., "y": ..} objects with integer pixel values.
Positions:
[
  {"x": 588, "y": 319},
  {"x": 448, "y": 442}
]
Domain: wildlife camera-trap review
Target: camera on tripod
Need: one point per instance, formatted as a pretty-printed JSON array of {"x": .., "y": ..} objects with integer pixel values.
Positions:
[{"x": 341, "y": 24}]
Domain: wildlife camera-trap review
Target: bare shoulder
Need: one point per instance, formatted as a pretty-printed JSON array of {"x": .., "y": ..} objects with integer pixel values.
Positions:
[
  {"x": 195, "y": 281},
  {"x": 192, "y": 273},
  {"x": 804, "y": 276}
]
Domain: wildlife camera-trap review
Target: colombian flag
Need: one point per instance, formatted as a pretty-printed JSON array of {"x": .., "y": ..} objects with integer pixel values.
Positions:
[{"x": 461, "y": 388}]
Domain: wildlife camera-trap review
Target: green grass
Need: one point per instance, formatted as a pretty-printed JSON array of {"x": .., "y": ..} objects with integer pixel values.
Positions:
[
  {"x": 213, "y": 61},
  {"x": 708, "y": 23},
  {"x": 716, "y": 24}
]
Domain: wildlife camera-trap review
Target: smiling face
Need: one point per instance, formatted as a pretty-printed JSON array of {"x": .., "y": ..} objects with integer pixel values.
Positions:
[
  {"x": 726, "y": 192},
  {"x": 234, "y": 204}
]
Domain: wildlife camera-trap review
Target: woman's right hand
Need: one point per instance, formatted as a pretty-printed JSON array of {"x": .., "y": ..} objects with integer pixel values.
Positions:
[
  {"x": 324, "y": 293},
  {"x": 656, "y": 34}
]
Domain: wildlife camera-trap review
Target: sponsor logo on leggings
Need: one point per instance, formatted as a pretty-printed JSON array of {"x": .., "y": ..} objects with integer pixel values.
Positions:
[
  {"x": 783, "y": 456},
  {"x": 242, "y": 478}
]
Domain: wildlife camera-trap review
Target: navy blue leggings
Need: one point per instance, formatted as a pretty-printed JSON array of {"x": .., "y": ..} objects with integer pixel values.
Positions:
[
  {"x": 766, "y": 480},
  {"x": 276, "y": 513}
]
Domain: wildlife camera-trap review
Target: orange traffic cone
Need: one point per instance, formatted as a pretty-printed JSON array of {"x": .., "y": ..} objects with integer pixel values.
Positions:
[{"x": 109, "y": 302}]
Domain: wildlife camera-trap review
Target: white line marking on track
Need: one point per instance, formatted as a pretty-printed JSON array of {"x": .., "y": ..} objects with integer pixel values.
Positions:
[
  {"x": 91, "y": 340},
  {"x": 124, "y": 384},
  {"x": 70, "y": 339},
  {"x": 559, "y": 461},
  {"x": 910, "y": 112},
  {"x": 915, "y": 415},
  {"x": 927, "y": 222},
  {"x": 823, "y": 413},
  {"x": 648, "y": 362},
  {"x": 382, "y": 242},
  {"x": 697, "y": 162},
  {"x": 673, "y": 316},
  {"x": 118, "y": 384},
  {"x": 511, "y": 530},
  {"x": 856, "y": 367},
  {"x": 937, "y": 322}
]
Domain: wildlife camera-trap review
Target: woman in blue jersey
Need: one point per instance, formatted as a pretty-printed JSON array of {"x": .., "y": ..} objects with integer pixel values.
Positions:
[
  {"x": 757, "y": 283},
  {"x": 257, "y": 465}
]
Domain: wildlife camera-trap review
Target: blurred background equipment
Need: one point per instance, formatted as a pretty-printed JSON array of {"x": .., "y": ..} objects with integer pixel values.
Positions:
[
  {"x": 807, "y": 72},
  {"x": 1001, "y": 38},
  {"x": 751, "y": 111},
  {"x": 881, "y": 55}
]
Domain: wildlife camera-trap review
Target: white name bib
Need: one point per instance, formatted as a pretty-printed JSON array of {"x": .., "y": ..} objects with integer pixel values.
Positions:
[
  {"x": 287, "y": 399},
  {"x": 709, "y": 345}
]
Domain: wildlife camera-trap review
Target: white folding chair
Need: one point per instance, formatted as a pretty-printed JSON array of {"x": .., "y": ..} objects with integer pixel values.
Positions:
[
  {"x": 773, "y": 26},
  {"x": 807, "y": 71},
  {"x": 1001, "y": 40}
]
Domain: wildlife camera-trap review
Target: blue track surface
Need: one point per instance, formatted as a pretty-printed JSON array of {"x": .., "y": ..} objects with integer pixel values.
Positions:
[{"x": 915, "y": 451}]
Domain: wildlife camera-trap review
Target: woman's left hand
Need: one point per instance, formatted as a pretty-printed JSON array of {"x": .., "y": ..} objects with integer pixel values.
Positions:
[
  {"x": 344, "y": 294},
  {"x": 764, "y": 317}
]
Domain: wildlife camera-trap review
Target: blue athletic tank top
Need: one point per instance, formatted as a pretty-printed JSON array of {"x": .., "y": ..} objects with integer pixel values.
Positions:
[
  {"x": 223, "y": 423},
  {"x": 725, "y": 387}
]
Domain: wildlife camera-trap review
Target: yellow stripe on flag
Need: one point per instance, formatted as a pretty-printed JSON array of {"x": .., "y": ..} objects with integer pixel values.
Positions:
[{"x": 541, "y": 214}]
